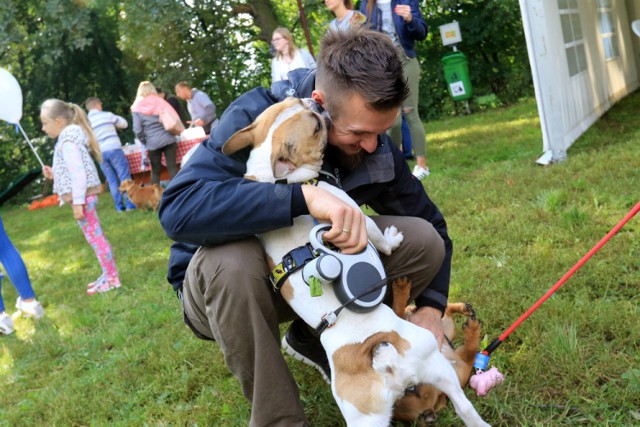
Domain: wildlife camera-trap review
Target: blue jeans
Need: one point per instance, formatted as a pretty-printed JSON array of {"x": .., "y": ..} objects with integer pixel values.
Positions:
[
  {"x": 15, "y": 268},
  {"x": 116, "y": 169}
]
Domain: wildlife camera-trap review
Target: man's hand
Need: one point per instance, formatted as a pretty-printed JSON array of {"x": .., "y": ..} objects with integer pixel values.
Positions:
[
  {"x": 429, "y": 318},
  {"x": 78, "y": 212},
  {"x": 348, "y": 231},
  {"x": 47, "y": 172}
]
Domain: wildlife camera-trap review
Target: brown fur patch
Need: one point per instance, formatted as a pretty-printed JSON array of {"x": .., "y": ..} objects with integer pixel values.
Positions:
[
  {"x": 423, "y": 405},
  {"x": 356, "y": 381},
  {"x": 299, "y": 141},
  {"x": 256, "y": 132}
]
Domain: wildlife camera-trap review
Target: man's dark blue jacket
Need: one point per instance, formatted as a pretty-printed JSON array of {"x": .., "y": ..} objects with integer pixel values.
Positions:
[{"x": 210, "y": 203}]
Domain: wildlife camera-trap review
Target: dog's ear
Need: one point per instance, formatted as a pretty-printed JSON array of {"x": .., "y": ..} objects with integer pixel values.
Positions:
[{"x": 239, "y": 140}]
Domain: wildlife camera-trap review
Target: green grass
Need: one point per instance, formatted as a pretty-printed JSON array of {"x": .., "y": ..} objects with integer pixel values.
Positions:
[{"x": 125, "y": 358}]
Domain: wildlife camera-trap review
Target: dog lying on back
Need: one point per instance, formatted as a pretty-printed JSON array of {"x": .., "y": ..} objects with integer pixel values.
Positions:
[
  {"x": 421, "y": 403},
  {"x": 374, "y": 356},
  {"x": 147, "y": 197}
]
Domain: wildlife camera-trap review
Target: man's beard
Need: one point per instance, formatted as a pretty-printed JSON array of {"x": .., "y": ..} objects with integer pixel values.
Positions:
[{"x": 345, "y": 161}]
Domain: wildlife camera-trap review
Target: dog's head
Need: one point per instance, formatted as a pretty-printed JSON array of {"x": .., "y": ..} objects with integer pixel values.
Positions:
[
  {"x": 287, "y": 140},
  {"x": 126, "y": 185},
  {"x": 419, "y": 404}
]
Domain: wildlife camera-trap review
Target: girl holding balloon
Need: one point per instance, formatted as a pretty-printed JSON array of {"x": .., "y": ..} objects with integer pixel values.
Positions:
[{"x": 76, "y": 181}]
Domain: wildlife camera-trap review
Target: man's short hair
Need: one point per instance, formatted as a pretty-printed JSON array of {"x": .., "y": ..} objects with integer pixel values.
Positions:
[
  {"x": 92, "y": 102},
  {"x": 184, "y": 84},
  {"x": 360, "y": 61}
]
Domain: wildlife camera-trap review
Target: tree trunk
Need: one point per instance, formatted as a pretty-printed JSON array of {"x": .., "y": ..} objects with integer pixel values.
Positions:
[{"x": 263, "y": 17}]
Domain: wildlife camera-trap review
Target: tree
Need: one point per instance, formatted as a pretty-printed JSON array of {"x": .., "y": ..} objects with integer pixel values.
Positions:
[
  {"x": 72, "y": 50},
  {"x": 58, "y": 49},
  {"x": 493, "y": 41}
]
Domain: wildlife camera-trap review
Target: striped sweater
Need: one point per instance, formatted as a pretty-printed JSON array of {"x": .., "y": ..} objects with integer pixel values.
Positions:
[{"x": 104, "y": 125}]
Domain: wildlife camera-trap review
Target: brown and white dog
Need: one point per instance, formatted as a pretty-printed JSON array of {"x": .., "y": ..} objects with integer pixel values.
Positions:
[
  {"x": 420, "y": 404},
  {"x": 147, "y": 197},
  {"x": 374, "y": 356}
]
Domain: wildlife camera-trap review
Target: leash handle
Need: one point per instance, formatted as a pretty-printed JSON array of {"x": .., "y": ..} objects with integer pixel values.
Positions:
[{"x": 330, "y": 318}]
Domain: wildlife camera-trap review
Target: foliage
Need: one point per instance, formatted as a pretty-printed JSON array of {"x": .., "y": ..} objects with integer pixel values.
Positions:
[
  {"x": 75, "y": 49},
  {"x": 493, "y": 42},
  {"x": 59, "y": 49},
  {"x": 206, "y": 43},
  {"x": 125, "y": 358}
]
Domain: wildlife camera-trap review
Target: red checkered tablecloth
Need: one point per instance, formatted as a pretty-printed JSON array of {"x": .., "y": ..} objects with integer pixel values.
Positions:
[{"x": 135, "y": 157}]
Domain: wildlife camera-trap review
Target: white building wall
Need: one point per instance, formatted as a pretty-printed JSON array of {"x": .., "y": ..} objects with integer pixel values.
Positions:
[{"x": 569, "y": 105}]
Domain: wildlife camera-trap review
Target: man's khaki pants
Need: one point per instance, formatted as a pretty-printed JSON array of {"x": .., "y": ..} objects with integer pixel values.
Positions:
[{"x": 227, "y": 297}]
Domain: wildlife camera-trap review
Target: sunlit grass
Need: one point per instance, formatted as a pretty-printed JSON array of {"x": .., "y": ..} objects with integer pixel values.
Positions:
[{"x": 125, "y": 358}]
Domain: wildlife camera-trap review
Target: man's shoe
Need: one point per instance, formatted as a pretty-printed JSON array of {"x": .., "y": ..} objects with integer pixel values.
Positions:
[
  {"x": 6, "y": 324},
  {"x": 302, "y": 344},
  {"x": 30, "y": 309}
]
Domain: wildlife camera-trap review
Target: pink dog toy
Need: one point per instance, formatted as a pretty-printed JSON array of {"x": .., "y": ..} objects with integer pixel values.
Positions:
[{"x": 482, "y": 382}]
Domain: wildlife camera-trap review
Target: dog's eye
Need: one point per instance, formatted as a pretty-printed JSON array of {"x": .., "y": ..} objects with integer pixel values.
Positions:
[
  {"x": 318, "y": 125},
  {"x": 411, "y": 390}
]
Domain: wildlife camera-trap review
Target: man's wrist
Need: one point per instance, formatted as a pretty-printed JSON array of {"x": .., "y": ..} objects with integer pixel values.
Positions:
[{"x": 298, "y": 203}]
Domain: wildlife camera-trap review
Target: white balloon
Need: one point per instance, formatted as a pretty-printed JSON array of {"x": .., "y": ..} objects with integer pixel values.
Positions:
[
  {"x": 11, "y": 96},
  {"x": 635, "y": 26}
]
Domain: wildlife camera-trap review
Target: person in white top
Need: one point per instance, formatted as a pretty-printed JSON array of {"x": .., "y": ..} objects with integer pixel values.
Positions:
[
  {"x": 346, "y": 17},
  {"x": 288, "y": 56}
]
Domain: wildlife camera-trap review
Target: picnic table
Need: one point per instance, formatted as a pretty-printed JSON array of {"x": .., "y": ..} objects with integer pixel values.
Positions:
[{"x": 141, "y": 173}]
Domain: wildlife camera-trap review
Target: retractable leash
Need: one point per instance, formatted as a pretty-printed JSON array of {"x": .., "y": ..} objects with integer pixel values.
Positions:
[{"x": 483, "y": 381}]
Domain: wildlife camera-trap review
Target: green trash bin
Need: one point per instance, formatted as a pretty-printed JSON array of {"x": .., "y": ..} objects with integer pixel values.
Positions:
[{"x": 456, "y": 74}]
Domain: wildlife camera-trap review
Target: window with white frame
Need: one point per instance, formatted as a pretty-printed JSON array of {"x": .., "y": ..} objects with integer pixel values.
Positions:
[
  {"x": 607, "y": 29},
  {"x": 572, "y": 34}
]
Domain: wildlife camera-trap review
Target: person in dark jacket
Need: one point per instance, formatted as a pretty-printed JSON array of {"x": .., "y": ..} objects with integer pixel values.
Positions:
[
  {"x": 211, "y": 209},
  {"x": 176, "y": 104},
  {"x": 402, "y": 21}
]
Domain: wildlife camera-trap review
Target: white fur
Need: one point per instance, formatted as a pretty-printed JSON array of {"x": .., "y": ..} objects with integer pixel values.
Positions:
[{"x": 421, "y": 363}]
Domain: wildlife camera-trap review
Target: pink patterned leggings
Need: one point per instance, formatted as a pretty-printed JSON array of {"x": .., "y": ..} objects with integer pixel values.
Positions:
[{"x": 93, "y": 233}]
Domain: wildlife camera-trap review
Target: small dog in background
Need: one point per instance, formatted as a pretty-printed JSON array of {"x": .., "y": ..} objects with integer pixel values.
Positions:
[
  {"x": 421, "y": 402},
  {"x": 143, "y": 197}
]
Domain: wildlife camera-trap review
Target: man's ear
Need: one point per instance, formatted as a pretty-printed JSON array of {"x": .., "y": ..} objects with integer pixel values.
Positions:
[{"x": 318, "y": 96}]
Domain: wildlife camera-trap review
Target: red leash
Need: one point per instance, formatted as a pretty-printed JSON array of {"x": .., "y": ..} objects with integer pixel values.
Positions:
[
  {"x": 575, "y": 268},
  {"x": 482, "y": 358}
]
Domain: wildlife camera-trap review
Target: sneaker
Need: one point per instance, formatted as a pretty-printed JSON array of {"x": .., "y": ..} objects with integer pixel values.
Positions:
[
  {"x": 30, "y": 309},
  {"x": 96, "y": 282},
  {"x": 303, "y": 345},
  {"x": 104, "y": 285},
  {"x": 420, "y": 172},
  {"x": 6, "y": 324}
]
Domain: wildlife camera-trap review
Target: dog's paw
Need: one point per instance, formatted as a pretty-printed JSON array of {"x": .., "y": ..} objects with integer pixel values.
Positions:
[
  {"x": 393, "y": 237},
  {"x": 469, "y": 311},
  {"x": 401, "y": 286},
  {"x": 471, "y": 325}
]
